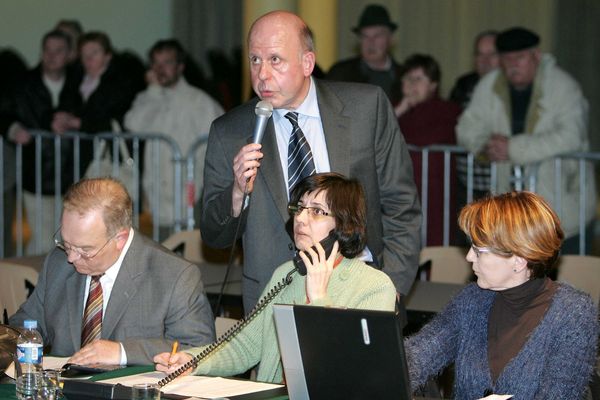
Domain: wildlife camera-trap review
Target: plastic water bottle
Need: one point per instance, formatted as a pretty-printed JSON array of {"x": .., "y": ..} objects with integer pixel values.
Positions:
[{"x": 29, "y": 353}]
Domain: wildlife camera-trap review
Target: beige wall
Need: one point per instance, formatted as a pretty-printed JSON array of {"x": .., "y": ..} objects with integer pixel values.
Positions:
[{"x": 132, "y": 24}]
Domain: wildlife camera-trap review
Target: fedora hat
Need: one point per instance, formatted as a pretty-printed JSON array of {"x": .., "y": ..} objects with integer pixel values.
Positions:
[{"x": 373, "y": 15}]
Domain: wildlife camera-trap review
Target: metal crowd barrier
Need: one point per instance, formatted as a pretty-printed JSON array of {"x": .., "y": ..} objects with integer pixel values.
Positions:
[
  {"x": 523, "y": 179},
  {"x": 193, "y": 186},
  {"x": 77, "y": 140},
  {"x": 186, "y": 174}
]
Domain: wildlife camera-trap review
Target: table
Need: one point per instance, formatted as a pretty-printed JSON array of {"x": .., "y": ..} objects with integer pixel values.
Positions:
[
  {"x": 7, "y": 390},
  {"x": 431, "y": 296},
  {"x": 426, "y": 299}
]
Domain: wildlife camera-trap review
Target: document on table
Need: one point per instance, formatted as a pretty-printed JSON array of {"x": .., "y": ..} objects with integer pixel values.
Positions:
[
  {"x": 47, "y": 363},
  {"x": 199, "y": 386},
  {"x": 497, "y": 397}
]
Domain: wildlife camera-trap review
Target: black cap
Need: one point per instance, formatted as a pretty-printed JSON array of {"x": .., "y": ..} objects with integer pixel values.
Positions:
[
  {"x": 515, "y": 39},
  {"x": 373, "y": 15}
]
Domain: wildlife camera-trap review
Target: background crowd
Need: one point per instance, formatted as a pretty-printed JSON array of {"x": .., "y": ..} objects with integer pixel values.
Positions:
[{"x": 83, "y": 84}]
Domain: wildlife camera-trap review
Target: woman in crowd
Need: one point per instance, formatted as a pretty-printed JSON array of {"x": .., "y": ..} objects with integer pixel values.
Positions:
[
  {"x": 427, "y": 119},
  {"x": 106, "y": 93},
  {"x": 515, "y": 331},
  {"x": 319, "y": 204}
]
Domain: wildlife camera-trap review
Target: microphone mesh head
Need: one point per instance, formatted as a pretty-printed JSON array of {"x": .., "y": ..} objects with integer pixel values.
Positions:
[{"x": 263, "y": 108}]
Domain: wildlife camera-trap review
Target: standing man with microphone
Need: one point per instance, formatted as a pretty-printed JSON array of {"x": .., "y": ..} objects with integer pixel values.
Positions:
[{"x": 316, "y": 126}]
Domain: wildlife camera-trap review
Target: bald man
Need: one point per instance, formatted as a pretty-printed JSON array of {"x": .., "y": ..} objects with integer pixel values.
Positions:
[{"x": 351, "y": 129}]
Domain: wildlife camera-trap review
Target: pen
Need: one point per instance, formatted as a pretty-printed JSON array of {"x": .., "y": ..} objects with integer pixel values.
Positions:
[{"x": 173, "y": 351}]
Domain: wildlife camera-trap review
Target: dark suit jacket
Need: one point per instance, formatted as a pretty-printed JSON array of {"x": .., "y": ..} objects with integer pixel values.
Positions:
[
  {"x": 157, "y": 298},
  {"x": 364, "y": 142},
  {"x": 355, "y": 70}
]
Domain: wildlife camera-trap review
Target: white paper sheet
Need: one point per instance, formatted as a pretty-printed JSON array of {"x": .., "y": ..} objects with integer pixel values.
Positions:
[
  {"x": 497, "y": 397},
  {"x": 199, "y": 386},
  {"x": 47, "y": 363}
]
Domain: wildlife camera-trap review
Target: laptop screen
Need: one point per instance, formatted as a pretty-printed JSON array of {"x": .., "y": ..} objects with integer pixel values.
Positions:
[{"x": 334, "y": 353}]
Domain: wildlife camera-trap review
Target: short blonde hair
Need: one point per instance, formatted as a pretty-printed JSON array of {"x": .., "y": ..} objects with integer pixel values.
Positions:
[
  {"x": 519, "y": 223},
  {"x": 105, "y": 194}
]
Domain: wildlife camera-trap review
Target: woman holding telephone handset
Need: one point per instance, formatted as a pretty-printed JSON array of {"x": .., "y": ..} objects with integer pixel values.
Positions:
[{"x": 321, "y": 205}]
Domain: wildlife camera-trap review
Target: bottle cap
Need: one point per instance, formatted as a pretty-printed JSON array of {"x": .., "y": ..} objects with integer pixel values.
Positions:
[{"x": 30, "y": 324}]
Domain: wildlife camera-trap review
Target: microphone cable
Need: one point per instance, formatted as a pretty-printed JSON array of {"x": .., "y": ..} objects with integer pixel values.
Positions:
[
  {"x": 232, "y": 251},
  {"x": 263, "y": 111}
]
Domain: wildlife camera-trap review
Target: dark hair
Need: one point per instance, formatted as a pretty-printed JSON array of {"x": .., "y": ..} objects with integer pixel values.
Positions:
[
  {"x": 72, "y": 24},
  {"x": 168, "y": 44},
  {"x": 58, "y": 34},
  {"x": 346, "y": 199},
  {"x": 99, "y": 37},
  {"x": 430, "y": 67}
]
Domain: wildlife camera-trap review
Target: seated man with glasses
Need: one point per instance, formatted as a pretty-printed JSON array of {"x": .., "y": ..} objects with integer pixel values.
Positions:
[
  {"x": 109, "y": 295},
  {"x": 319, "y": 204}
]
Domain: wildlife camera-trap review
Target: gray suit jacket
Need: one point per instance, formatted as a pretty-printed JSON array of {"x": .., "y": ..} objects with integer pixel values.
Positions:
[
  {"x": 364, "y": 142},
  {"x": 157, "y": 298}
]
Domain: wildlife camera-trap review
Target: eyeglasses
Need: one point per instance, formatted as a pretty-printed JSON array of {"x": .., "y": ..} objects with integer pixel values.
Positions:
[
  {"x": 479, "y": 250},
  {"x": 314, "y": 212},
  {"x": 67, "y": 248}
]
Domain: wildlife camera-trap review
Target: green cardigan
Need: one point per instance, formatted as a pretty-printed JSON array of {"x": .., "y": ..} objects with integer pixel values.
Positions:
[{"x": 353, "y": 284}]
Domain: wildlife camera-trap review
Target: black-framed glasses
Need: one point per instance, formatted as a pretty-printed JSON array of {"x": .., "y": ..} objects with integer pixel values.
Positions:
[
  {"x": 314, "y": 212},
  {"x": 67, "y": 248}
]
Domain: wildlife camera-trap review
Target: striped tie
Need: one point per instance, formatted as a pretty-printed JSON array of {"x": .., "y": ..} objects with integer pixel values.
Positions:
[
  {"x": 92, "y": 317},
  {"x": 300, "y": 158}
]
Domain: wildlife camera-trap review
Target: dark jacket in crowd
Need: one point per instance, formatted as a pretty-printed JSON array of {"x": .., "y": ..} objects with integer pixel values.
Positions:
[
  {"x": 34, "y": 110},
  {"x": 109, "y": 102},
  {"x": 355, "y": 70},
  {"x": 463, "y": 89}
]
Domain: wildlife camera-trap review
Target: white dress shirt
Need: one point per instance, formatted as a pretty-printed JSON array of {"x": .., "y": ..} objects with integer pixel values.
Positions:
[
  {"x": 309, "y": 120},
  {"x": 108, "y": 281}
]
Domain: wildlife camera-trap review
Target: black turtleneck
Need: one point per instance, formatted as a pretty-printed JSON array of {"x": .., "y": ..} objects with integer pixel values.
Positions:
[
  {"x": 515, "y": 313},
  {"x": 519, "y": 101}
]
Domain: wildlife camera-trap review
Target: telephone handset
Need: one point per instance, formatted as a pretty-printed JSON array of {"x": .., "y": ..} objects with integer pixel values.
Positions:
[
  {"x": 234, "y": 330},
  {"x": 327, "y": 244}
]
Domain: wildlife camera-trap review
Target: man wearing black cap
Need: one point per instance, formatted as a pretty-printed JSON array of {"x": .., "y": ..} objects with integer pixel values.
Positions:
[
  {"x": 526, "y": 112},
  {"x": 375, "y": 65}
]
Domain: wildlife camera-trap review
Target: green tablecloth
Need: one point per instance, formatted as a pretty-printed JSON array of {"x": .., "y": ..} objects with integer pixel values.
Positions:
[{"x": 7, "y": 391}]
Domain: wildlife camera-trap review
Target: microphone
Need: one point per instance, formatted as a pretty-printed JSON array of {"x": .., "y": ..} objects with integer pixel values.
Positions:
[{"x": 263, "y": 111}]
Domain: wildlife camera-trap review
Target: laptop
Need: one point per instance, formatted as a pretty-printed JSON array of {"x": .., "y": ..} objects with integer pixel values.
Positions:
[{"x": 335, "y": 353}]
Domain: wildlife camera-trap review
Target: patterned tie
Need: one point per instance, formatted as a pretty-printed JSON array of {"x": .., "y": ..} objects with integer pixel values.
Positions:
[
  {"x": 92, "y": 317},
  {"x": 300, "y": 158}
]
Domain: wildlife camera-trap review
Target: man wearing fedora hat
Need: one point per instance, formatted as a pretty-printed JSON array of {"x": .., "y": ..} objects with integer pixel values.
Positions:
[
  {"x": 527, "y": 112},
  {"x": 375, "y": 65}
]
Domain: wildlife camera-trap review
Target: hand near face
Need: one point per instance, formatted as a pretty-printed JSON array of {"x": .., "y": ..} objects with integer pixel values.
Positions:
[
  {"x": 319, "y": 272},
  {"x": 402, "y": 107},
  {"x": 167, "y": 363},
  {"x": 245, "y": 168},
  {"x": 497, "y": 148},
  {"x": 98, "y": 352}
]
